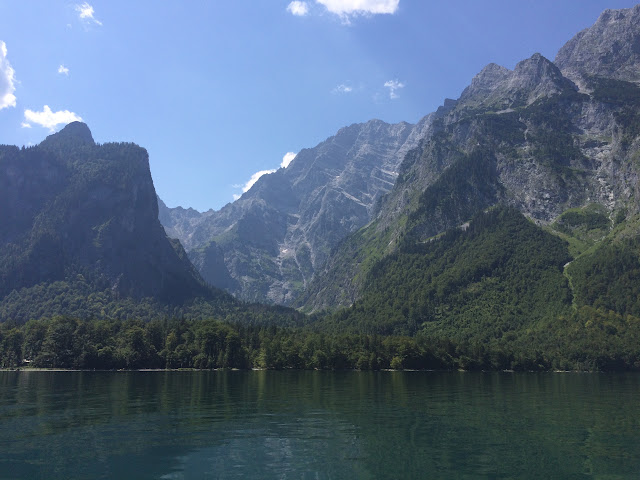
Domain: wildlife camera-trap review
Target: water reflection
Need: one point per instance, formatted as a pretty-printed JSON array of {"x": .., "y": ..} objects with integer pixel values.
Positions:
[{"x": 317, "y": 425}]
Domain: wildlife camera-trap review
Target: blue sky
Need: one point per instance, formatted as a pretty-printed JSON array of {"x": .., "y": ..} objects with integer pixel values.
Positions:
[{"x": 219, "y": 90}]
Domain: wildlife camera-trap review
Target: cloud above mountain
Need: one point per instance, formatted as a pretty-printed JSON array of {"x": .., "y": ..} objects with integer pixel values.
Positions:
[
  {"x": 86, "y": 14},
  {"x": 286, "y": 160},
  {"x": 346, "y": 9},
  {"x": 299, "y": 9},
  {"x": 48, "y": 118},
  {"x": 7, "y": 80},
  {"x": 360, "y": 7},
  {"x": 342, "y": 88},
  {"x": 393, "y": 86}
]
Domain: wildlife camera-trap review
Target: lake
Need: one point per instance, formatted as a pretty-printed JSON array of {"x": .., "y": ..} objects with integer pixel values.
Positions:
[{"x": 318, "y": 425}]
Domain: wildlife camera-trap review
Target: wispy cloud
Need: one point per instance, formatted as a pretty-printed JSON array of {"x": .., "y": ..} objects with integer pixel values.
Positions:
[
  {"x": 299, "y": 9},
  {"x": 286, "y": 160},
  {"x": 86, "y": 13},
  {"x": 393, "y": 85},
  {"x": 7, "y": 79},
  {"x": 342, "y": 88},
  {"x": 63, "y": 70},
  {"x": 349, "y": 8},
  {"x": 49, "y": 119}
]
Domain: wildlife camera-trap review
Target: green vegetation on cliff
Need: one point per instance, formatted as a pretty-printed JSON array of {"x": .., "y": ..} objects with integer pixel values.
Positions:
[{"x": 496, "y": 275}]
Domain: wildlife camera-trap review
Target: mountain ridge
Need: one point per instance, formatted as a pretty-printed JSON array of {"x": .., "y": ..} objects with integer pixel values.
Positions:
[
  {"x": 545, "y": 138},
  {"x": 528, "y": 138}
]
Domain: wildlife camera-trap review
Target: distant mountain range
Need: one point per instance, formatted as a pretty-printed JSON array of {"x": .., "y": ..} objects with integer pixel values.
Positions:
[{"x": 546, "y": 138}]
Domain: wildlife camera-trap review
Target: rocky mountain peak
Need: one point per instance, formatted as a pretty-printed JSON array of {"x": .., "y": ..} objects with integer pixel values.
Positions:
[
  {"x": 485, "y": 82},
  {"x": 536, "y": 68},
  {"x": 609, "y": 48},
  {"x": 538, "y": 76},
  {"x": 499, "y": 88},
  {"x": 75, "y": 132}
]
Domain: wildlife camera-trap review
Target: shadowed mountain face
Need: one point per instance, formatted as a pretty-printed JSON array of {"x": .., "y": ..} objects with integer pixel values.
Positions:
[
  {"x": 73, "y": 208},
  {"x": 267, "y": 245}
]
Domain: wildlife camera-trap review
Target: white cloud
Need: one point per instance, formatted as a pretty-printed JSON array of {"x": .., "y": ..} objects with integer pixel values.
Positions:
[
  {"x": 86, "y": 12},
  {"x": 342, "y": 89},
  {"x": 286, "y": 160},
  {"x": 346, "y": 8},
  {"x": 63, "y": 70},
  {"x": 49, "y": 119},
  {"x": 7, "y": 78},
  {"x": 299, "y": 9},
  {"x": 393, "y": 85}
]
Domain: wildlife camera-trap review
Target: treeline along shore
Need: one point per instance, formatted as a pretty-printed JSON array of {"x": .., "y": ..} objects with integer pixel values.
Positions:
[{"x": 69, "y": 343}]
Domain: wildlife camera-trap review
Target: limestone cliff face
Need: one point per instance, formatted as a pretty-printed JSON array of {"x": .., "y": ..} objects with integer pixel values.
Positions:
[
  {"x": 266, "y": 245},
  {"x": 72, "y": 207},
  {"x": 487, "y": 111}
]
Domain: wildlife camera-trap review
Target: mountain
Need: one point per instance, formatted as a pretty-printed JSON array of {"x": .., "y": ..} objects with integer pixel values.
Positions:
[
  {"x": 180, "y": 222},
  {"x": 80, "y": 220},
  {"x": 267, "y": 245},
  {"x": 543, "y": 138},
  {"x": 557, "y": 143}
]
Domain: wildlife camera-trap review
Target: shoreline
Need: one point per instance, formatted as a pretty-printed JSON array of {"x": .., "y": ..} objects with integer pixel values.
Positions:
[{"x": 43, "y": 369}]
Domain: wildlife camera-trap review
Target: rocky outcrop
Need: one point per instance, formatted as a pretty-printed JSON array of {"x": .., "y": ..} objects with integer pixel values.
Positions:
[
  {"x": 498, "y": 88},
  {"x": 610, "y": 48}
]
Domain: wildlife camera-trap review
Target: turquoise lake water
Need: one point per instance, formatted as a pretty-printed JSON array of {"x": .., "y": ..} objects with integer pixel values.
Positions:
[{"x": 318, "y": 425}]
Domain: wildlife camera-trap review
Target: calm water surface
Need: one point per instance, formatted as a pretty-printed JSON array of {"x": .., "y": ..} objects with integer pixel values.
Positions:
[{"x": 318, "y": 425}]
